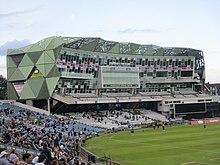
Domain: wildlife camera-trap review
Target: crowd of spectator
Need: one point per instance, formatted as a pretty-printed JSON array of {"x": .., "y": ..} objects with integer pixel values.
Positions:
[{"x": 56, "y": 139}]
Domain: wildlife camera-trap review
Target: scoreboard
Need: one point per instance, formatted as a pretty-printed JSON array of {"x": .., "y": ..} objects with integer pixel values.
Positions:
[{"x": 119, "y": 77}]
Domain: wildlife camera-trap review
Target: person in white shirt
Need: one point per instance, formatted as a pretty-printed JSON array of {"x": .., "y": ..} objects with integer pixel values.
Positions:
[{"x": 41, "y": 160}]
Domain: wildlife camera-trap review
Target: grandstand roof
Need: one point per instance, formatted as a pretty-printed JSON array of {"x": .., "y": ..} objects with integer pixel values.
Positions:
[{"x": 104, "y": 46}]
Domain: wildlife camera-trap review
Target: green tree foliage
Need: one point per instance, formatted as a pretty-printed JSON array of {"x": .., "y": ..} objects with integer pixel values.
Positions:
[{"x": 3, "y": 88}]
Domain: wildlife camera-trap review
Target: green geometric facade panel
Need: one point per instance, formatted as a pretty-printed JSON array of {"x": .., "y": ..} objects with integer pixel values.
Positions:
[
  {"x": 48, "y": 69},
  {"x": 17, "y": 58},
  {"x": 43, "y": 92},
  {"x": 35, "y": 84},
  {"x": 54, "y": 43},
  {"x": 26, "y": 70},
  {"x": 193, "y": 52},
  {"x": 14, "y": 51},
  {"x": 41, "y": 59},
  {"x": 41, "y": 69},
  {"x": 115, "y": 49},
  {"x": 10, "y": 71},
  {"x": 45, "y": 59},
  {"x": 34, "y": 56},
  {"x": 54, "y": 72},
  {"x": 35, "y": 48},
  {"x": 51, "y": 84},
  {"x": 48, "y": 58},
  {"x": 12, "y": 94},
  {"x": 10, "y": 62},
  {"x": 17, "y": 75},
  {"x": 134, "y": 48},
  {"x": 26, "y": 61},
  {"x": 57, "y": 51},
  {"x": 50, "y": 53},
  {"x": 45, "y": 43},
  {"x": 50, "y": 42},
  {"x": 178, "y": 50},
  {"x": 159, "y": 52},
  {"x": 90, "y": 46},
  {"x": 149, "y": 50},
  {"x": 27, "y": 92},
  {"x": 26, "y": 48}
]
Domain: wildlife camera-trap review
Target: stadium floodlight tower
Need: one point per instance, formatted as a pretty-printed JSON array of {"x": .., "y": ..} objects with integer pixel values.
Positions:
[{"x": 69, "y": 68}]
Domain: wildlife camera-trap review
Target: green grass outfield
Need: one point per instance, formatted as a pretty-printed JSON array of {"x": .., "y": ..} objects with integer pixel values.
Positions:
[{"x": 175, "y": 145}]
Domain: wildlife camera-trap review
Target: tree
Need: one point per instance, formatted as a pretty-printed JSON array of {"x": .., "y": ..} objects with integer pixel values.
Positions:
[{"x": 3, "y": 88}]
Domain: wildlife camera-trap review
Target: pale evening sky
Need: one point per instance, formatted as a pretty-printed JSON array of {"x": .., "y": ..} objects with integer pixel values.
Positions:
[{"x": 171, "y": 23}]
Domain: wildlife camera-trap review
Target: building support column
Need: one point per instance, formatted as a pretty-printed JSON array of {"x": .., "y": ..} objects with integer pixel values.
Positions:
[
  {"x": 97, "y": 92},
  {"x": 174, "y": 112},
  {"x": 48, "y": 105}
]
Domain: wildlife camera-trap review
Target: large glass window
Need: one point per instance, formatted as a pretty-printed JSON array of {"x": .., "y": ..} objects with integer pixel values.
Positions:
[{"x": 120, "y": 77}]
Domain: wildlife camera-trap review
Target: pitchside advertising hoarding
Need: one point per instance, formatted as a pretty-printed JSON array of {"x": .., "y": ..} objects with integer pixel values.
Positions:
[{"x": 205, "y": 121}]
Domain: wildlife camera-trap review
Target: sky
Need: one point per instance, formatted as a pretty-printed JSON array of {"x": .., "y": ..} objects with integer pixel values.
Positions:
[{"x": 166, "y": 23}]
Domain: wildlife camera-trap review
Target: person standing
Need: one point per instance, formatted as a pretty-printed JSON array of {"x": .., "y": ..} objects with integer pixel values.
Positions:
[
  {"x": 47, "y": 152},
  {"x": 163, "y": 126},
  {"x": 204, "y": 124},
  {"x": 154, "y": 125}
]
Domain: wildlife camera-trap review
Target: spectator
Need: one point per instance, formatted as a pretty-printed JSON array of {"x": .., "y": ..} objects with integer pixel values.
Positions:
[
  {"x": 41, "y": 160},
  {"x": 13, "y": 157},
  {"x": 27, "y": 158},
  {"x": 35, "y": 159},
  {"x": 55, "y": 162},
  {"x": 46, "y": 151},
  {"x": 4, "y": 158},
  {"x": 63, "y": 161}
]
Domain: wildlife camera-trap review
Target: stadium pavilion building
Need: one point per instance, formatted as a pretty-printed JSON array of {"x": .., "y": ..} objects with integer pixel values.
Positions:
[{"x": 73, "y": 73}]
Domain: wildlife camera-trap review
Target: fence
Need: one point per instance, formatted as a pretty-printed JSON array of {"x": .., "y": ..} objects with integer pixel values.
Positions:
[{"x": 88, "y": 156}]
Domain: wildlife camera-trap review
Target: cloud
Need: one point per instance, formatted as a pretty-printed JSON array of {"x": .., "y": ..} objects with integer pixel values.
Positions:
[
  {"x": 99, "y": 31},
  {"x": 132, "y": 31},
  {"x": 213, "y": 52},
  {"x": 21, "y": 24},
  {"x": 12, "y": 45},
  {"x": 211, "y": 73},
  {"x": 72, "y": 17},
  {"x": 15, "y": 13}
]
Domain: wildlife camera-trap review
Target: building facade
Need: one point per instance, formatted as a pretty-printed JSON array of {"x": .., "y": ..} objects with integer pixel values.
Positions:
[{"x": 75, "y": 67}]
